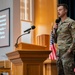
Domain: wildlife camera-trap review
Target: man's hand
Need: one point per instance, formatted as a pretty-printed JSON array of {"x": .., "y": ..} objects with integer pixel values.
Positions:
[
  {"x": 55, "y": 26},
  {"x": 57, "y": 58},
  {"x": 69, "y": 51},
  {"x": 66, "y": 54}
]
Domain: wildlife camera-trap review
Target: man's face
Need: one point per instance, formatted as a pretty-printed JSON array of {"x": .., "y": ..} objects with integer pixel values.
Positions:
[{"x": 61, "y": 11}]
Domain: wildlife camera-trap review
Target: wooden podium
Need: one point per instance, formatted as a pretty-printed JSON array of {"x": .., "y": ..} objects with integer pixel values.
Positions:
[{"x": 28, "y": 61}]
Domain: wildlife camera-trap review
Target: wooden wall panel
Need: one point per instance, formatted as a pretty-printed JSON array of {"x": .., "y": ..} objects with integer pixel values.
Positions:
[
  {"x": 43, "y": 40},
  {"x": 49, "y": 67}
]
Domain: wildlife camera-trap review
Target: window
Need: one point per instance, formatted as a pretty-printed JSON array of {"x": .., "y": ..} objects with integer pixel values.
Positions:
[{"x": 26, "y": 9}]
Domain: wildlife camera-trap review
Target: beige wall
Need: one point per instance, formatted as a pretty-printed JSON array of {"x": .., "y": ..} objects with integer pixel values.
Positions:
[
  {"x": 14, "y": 6},
  {"x": 45, "y": 13}
]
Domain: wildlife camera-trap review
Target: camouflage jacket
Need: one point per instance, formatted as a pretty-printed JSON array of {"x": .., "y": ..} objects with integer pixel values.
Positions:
[{"x": 66, "y": 35}]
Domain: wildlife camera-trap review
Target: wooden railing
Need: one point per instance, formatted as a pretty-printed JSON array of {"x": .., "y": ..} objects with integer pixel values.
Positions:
[
  {"x": 49, "y": 67},
  {"x": 5, "y": 67}
]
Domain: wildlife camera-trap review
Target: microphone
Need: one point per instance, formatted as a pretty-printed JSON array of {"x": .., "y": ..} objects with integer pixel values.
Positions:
[
  {"x": 16, "y": 44},
  {"x": 57, "y": 20},
  {"x": 54, "y": 31},
  {"x": 32, "y": 27}
]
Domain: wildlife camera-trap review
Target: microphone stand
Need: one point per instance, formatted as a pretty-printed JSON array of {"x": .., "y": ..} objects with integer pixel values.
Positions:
[{"x": 16, "y": 44}]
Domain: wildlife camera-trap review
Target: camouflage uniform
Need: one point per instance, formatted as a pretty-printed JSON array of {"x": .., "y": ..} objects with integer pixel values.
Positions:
[{"x": 65, "y": 41}]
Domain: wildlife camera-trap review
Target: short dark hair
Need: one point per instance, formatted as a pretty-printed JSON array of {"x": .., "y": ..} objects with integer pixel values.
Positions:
[{"x": 64, "y": 5}]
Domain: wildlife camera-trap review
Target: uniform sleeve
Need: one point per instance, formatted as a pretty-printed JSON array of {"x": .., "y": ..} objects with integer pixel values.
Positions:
[
  {"x": 54, "y": 35},
  {"x": 72, "y": 30}
]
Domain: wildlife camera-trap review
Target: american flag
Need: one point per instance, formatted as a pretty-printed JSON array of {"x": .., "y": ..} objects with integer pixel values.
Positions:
[{"x": 52, "y": 48}]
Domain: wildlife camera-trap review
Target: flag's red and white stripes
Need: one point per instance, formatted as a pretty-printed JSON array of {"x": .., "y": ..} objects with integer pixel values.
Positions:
[{"x": 52, "y": 55}]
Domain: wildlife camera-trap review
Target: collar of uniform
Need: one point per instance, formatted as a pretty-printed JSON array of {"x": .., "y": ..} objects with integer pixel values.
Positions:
[{"x": 65, "y": 21}]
